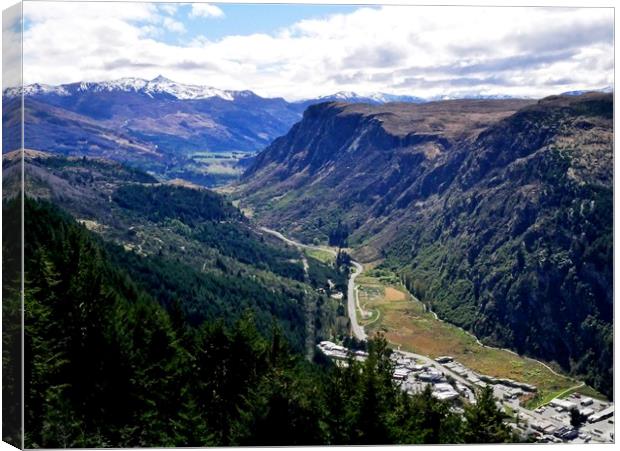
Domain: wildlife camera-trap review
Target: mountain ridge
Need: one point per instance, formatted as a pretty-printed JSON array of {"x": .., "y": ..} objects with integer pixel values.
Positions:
[
  {"x": 198, "y": 134},
  {"x": 158, "y": 85},
  {"x": 185, "y": 91}
]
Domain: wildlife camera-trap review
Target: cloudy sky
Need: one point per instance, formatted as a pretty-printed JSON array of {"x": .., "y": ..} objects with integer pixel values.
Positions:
[{"x": 302, "y": 51}]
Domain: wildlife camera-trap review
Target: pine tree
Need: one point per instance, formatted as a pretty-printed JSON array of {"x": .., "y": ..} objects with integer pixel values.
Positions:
[{"x": 485, "y": 421}]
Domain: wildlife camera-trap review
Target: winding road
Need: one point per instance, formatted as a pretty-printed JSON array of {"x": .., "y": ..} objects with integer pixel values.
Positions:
[{"x": 356, "y": 330}]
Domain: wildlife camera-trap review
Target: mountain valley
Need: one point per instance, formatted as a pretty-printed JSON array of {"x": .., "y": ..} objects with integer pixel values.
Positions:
[
  {"x": 496, "y": 213},
  {"x": 307, "y": 225},
  {"x": 197, "y": 133}
]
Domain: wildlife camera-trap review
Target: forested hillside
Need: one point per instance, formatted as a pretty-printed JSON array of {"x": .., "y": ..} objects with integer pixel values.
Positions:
[
  {"x": 521, "y": 250},
  {"x": 497, "y": 214},
  {"x": 108, "y": 366},
  {"x": 190, "y": 248}
]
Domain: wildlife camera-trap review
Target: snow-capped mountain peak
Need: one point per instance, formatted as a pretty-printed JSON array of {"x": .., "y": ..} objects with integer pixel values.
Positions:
[
  {"x": 376, "y": 97},
  {"x": 122, "y": 84},
  {"x": 344, "y": 95},
  {"x": 161, "y": 79},
  {"x": 161, "y": 84},
  {"x": 157, "y": 86},
  {"x": 382, "y": 97},
  {"x": 36, "y": 88}
]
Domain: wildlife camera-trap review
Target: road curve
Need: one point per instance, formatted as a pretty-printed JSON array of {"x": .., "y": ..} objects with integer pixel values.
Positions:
[
  {"x": 356, "y": 330},
  {"x": 297, "y": 243}
]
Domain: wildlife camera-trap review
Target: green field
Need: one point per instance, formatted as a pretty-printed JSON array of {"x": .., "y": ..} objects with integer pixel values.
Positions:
[
  {"x": 322, "y": 256},
  {"x": 406, "y": 324},
  {"x": 218, "y": 163},
  {"x": 209, "y": 168}
]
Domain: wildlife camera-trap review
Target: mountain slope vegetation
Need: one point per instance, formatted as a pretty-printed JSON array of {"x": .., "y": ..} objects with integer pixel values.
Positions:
[
  {"x": 496, "y": 213},
  {"x": 191, "y": 235}
]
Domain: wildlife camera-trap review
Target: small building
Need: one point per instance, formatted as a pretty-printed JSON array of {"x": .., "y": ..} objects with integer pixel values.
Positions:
[
  {"x": 400, "y": 374},
  {"x": 443, "y": 387},
  {"x": 460, "y": 371},
  {"x": 513, "y": 392},
  {"x": 586, "y": 412},
  {"x": 430, "y": 376},
  {"x": 539, "y": 425},
  {"x": 444, "y": 359},
  {"x": 444, "y": 391},
  {"x": 473, "y": 378},
  {"x": 489, "y": 379},
  {"x": 602, "y": 415},
  {"x": 333, "y": 350},
  {"x": 461, "y": 388},
  {"x": 562, "y": 404},
  {"x": 445, "y": 396}
]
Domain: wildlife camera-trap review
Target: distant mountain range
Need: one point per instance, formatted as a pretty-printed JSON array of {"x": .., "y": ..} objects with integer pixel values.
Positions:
[
  {"x": 159, "y": 86},
  {"x": 159, "y": 125},
  {"x": 376, "y": 98},
  {"x": 162, "y": 86},
  {"x": 607, "y": 89}
]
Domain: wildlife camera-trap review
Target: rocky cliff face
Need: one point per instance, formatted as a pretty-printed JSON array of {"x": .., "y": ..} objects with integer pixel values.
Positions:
[
  {"x": 358, "y": 163},
  {"x": 498, "y": 214}
]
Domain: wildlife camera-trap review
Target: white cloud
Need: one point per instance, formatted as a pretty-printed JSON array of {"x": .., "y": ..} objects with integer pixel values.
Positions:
[
  {"x": 173, "y": 25},
  {"x": 169, "y": 8},
  {"x": 422, "y": 51},
  {"x": 205, "y": 10}
]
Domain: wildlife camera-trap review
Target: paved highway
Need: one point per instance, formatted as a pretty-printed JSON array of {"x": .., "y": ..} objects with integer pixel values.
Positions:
[{"x": 356, "y": 330}]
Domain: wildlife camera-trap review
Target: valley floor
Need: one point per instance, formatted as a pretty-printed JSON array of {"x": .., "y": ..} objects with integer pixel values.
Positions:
[
  {"x": 378, "y": 302},
  {"x": 385, "y": 305},
  {"x": 390, "y": 308}
]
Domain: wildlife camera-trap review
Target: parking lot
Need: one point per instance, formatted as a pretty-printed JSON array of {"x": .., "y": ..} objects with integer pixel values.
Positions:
[{"x": 553, "y": 415}]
